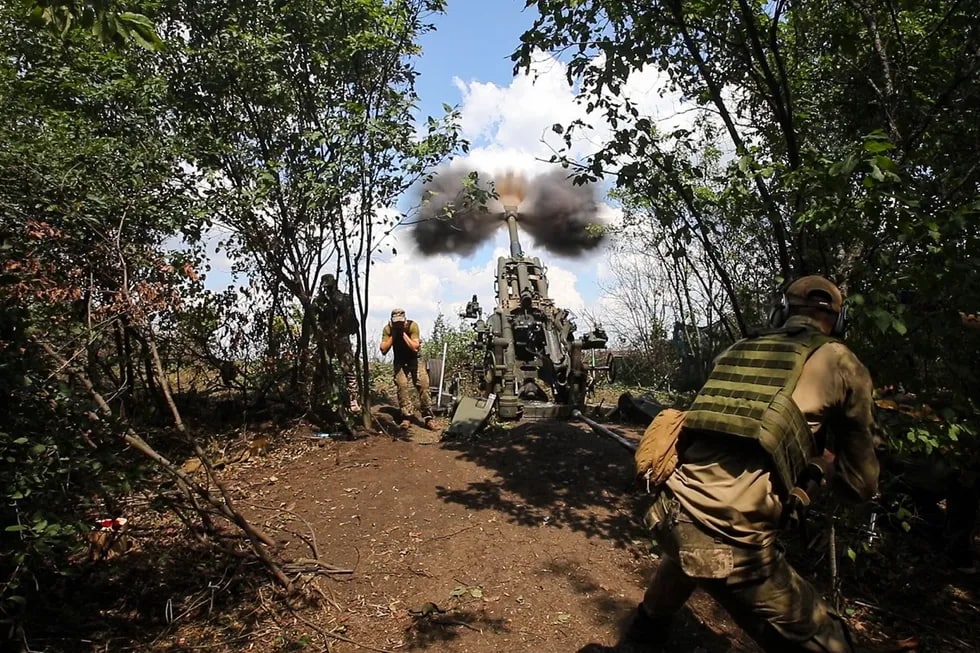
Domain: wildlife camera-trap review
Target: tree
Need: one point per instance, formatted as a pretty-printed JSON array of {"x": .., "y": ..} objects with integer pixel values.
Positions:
[
  {"x": 90, "y": 190},
  {"x": 301, "y": 118},
  {"x": 832, "y": 136},
  {"x": 105, "y": 19},
  {"x": 289, "y": 124},
  {"x": 456, "y": 340}
]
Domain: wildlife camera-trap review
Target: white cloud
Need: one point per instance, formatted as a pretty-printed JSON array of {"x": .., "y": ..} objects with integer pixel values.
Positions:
[
  {"x": 510, "y": 129},
  {"x": 426, "y": 286},
  {"x": 512, "y": 125}
]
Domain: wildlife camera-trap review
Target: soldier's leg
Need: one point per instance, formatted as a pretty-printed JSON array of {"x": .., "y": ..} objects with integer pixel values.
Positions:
[
  {"x": 403, "y": 386},
  {"x": 348, "y": 364},
  {"x": 669, "y": 589},
  {"x": 784, "y": 612},
  {"x": 665, "y": 596},
  {"x": 650, "y": 623},
  {"x": 422, "y": 386}
]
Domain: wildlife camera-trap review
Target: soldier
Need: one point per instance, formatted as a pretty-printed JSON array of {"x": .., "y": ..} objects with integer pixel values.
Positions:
[
  {"x": 786, "y": 406},
  {"x": 403, "y": 336},
  {"x": 335, "y": 314}
]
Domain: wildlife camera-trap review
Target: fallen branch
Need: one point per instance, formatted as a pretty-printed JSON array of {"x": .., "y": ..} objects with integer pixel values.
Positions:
[
  {"x": 442, "y": 621},
  {"x": 907, "y": 645},
  {"x": 326, "y": 634},
  {"x": 312, "y": 541},
  {"x": 311, "y": 566},
  {"x": 448, "y": 535},
  {"x": 187, "y": 485}
]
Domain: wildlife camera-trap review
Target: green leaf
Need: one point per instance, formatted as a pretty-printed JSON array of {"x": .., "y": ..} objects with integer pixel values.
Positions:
[{"x": 876, "y": 146}]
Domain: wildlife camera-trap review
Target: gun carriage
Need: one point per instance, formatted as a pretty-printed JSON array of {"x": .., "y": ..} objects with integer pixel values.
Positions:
[{"x": 532, "y": 363}]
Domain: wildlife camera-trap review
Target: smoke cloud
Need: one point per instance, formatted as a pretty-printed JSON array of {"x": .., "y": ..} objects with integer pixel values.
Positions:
[
  {"x": 451, "y": 220},
  {"x": 561, "y": 217}
]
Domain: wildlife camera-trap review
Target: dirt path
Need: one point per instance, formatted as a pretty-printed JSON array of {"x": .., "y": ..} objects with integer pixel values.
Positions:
[{"x": 524, "y": 539}]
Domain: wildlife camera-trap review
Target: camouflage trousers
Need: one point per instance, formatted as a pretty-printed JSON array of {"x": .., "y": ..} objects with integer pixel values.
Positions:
[
  {"x": 758, "y": 587},
  {"x": 341, "y": 354},
  {"x": 412, "y": 379}
]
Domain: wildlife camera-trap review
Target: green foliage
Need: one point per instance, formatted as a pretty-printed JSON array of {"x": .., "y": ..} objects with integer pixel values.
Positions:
[
  {"x": 58, "y": 467},
  {"x": 822, "y": 137},
  {"x": 458, "y": 341},
  {"x": 461, "y": 353},
  {"x": 90, "y": 188},
  {"x": 290, "y": 125},
  {"x": 104, "y": 19},
  {"x": 920, "y": 431}
]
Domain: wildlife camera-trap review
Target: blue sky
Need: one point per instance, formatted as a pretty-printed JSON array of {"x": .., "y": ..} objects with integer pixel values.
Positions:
[
  {"x": 466, "y": 64},
  {"x": 473, "y": 40},
  {"x": 507, "y": 119}
]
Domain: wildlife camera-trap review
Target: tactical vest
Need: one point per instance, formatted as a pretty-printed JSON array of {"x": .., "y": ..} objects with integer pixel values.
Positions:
[
  {"x": 403, "y": 354},
  {"x": 336, "y": 314},
  {"x": 749, "y": 395}
]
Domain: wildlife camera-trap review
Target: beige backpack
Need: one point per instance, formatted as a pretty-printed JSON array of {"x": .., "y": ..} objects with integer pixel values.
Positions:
[{"x": 656, "y": 456}]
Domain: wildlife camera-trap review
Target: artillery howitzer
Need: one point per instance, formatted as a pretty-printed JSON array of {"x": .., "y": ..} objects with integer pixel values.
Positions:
[{"x": 532, "y": 363}]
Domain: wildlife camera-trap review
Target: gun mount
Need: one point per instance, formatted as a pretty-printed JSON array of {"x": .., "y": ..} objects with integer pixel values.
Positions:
[{"x": 532, "y": 361}]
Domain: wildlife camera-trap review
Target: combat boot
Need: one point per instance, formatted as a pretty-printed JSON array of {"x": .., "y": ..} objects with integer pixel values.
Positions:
[{"x": 645, "y": 634}]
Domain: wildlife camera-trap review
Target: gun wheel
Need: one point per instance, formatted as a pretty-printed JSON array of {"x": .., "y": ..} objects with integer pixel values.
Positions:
[{"x": 490, "y": 372}]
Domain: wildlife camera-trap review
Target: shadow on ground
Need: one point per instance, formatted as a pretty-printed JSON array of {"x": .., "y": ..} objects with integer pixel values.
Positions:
[
  {"x": 430, "y": 629},
  {"x": 128, "y": 602},
  {"x": 689, "y": 632},
  {"x": 555, "y": 474}
]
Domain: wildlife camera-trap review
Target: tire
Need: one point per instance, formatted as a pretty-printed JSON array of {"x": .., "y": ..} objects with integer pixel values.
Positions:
[{"x": 613, "y": 364}]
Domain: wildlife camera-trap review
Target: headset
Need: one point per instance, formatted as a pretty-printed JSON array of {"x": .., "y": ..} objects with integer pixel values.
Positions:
[{"x": 780, "y": 313}]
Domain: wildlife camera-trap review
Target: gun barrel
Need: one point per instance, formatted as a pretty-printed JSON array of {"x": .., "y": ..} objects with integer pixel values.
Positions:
[
  {"x": 599, "y": 428},
  {"x": 515, "y": 244}
]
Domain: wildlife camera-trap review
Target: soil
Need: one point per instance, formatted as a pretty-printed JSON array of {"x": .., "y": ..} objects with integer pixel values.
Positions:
[{"x": 526, "y": 537}]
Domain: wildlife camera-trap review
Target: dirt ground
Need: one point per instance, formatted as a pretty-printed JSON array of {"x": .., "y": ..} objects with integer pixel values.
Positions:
[
  {"x": 523, "y": 538},
  {"x": 526, "y": 537}
]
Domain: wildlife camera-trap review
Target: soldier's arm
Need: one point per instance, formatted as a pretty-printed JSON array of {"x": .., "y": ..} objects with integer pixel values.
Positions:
[
  {"x": 853, "y": 431},
  {"x": 412, "y": 337},
  {"x": 386, "y": 339}
]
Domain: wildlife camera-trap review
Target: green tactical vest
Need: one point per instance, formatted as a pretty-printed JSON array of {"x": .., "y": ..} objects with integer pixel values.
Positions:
[{"x": 749, "y": 394}]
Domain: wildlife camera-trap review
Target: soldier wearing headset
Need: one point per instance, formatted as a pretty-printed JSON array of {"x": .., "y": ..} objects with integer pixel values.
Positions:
[{"x": 789, "y": 404}]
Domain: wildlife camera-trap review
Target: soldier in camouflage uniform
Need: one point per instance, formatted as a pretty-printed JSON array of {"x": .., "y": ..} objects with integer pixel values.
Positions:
[
  {"x": 335, "y": 314},
  {"x": 402, "y": 335},
  {"x": 775, "y": 406}
]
